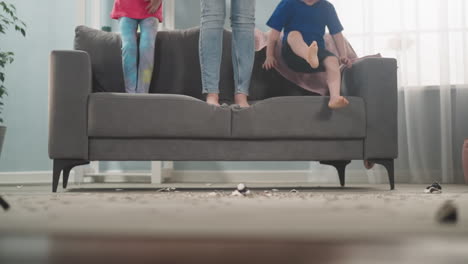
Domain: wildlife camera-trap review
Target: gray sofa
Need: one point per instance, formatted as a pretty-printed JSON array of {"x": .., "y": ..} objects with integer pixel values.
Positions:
[{"x": 92, "y": 119}]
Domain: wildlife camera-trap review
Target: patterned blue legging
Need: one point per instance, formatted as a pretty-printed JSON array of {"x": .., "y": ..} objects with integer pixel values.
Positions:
[{"x": 138, "y": 77}]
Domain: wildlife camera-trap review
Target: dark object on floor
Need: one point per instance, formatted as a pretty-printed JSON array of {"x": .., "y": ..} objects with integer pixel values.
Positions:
[
  {"x": 434, "y": 188},
  {"x": 4, "y": 204},
  {"x": 448, "y": 213},
  {"x": 241, "y": 190}
]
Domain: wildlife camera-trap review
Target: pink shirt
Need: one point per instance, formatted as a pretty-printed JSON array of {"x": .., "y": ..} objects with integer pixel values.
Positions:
[{"x": 135, "y": 9}]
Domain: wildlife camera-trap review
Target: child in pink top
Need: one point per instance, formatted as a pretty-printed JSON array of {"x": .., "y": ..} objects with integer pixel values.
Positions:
[{"x": 146, "y": 14}]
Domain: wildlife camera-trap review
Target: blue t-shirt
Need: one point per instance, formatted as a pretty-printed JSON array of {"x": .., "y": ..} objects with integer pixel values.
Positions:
[{"x": 310, "y": 20}]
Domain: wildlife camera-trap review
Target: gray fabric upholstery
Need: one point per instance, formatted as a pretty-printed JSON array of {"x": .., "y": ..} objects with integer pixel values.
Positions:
[
  {"x": 104, "y": 50},
  {"x": 224, "y": 150},
  {"x": 375, "y": 80},
  {"x": 113, "y": 115},
  {"x": 176, "y": 127},
  {"x": 305, "y": 117},
  {"x": 70, "y": 86},
  {"x": 177, "y": 66}
]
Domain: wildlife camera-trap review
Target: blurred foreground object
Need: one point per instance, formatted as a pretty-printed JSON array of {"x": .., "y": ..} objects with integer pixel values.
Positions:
[
  {"x": 4, "y": 204},
  {"x": 448, "y": 213}
]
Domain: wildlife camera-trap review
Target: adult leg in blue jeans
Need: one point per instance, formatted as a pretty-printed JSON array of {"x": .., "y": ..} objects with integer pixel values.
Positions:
[{"x": 211, "y": 43}]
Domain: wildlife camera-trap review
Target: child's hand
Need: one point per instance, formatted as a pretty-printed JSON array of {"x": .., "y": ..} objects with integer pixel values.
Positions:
[
  {"x": 270, "y": 63},
  {"x": 346, "y": 61},
  {"x": 153, "y": 6}
]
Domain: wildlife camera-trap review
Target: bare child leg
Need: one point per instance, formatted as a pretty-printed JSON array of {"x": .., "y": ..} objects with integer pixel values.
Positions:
[
  {"x": 212, "y": 99},
  {"x": 368, "y": 165},
  {"x": 308, "y": 53},
  {"x": 332, "y": 67},
  {"x": 241, "y": 100}
]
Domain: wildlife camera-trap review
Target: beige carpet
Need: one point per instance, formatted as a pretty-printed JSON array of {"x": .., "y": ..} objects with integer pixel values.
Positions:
[{"x": 209, "y": 211}]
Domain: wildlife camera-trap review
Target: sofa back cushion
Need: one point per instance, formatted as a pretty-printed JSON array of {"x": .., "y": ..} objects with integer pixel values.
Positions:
[
  {"x": 177, "y": 66},
  {"x": 104, "y": 50}
]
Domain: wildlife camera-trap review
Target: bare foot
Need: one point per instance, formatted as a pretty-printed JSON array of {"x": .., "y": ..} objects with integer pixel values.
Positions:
[
  {"x": 213, "y": 99},
  {"x": 313, "y": 59},
  {"x": 241, "y": 100},
  {"x": 338, "y": 102},
  {"x": 369, "y": 165}
]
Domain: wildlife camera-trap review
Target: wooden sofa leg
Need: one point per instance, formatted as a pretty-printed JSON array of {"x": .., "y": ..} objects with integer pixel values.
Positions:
[
  {"x": 66, "y": 166},
  {"x": 340, "y": 166},
  {"x": 389, "y": 164}
]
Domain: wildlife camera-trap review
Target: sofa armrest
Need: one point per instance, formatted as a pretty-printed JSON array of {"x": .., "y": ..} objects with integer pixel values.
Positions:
[
  {"x": 376, "y": 81},
  {"x": 70, "y": 86}
]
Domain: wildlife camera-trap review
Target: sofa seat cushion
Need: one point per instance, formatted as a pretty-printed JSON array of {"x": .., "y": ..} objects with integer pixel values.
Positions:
[
  {"x": 116, "y": 115},
  {"x": 299, "y": 117}
]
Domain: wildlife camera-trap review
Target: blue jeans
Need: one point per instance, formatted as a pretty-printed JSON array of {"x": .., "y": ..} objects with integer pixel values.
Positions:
[
  {"x": 213, "y": 14},
  {"x": 138, "y": 77}
]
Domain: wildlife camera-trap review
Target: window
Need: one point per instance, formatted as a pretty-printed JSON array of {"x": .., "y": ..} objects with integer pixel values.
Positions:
[{"x": 428, "y": 37}]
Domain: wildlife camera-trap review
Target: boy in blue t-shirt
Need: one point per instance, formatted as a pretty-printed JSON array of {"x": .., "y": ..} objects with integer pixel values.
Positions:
[{"x": 304, "y": 23}]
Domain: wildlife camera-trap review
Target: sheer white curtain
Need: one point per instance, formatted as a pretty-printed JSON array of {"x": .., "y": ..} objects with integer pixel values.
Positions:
[{"x": 430, "y": 40}]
